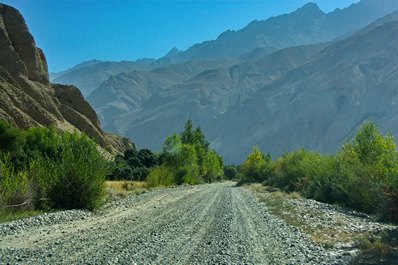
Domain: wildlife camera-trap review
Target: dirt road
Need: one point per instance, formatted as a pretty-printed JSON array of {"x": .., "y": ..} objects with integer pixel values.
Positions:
[{"x": 206, "y": 224}]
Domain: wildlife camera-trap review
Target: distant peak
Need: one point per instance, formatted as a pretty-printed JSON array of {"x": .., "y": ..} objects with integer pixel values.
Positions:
[
  {"x": 172, "y": 52},
  {"x": 309, "y": 7}
]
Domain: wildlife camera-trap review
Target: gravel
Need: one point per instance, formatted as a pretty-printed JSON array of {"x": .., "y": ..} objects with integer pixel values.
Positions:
[{"x": 206, "y": 224}]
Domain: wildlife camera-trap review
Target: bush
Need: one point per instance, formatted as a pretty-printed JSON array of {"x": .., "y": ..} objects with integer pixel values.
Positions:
[
  {"x": 257, "y": 167},
  {"x": 75, "y": 179},
  {"x": 290, "y": 170},
  {"x": 161, "y": 176},
  {"x": 230, "y": 172},
  {"x": 133, "y": 165},
  {"x": 362, "y": 175},
  {"x": 15, "y": 187}
]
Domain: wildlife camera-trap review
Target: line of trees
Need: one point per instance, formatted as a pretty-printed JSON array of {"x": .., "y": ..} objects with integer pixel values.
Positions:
[{"x": 362, "y": 175}]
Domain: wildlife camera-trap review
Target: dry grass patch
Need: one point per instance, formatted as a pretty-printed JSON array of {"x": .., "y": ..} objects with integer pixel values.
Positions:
[{"x": 123, "y": 188}]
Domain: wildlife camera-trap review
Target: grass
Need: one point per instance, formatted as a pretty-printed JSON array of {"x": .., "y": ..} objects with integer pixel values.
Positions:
[
  {"x": 115, "y": 190},
  {"x": 276, "y": 202},
  {"x": 378, "y": 249},
  {"x": 123, "y": 188},
  {"x": 280, "y": 204},
  {"x": 7, "y": 216}
]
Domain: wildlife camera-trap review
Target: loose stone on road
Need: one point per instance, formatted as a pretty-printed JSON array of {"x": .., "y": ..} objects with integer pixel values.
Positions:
[{"x": 206, "y": 224}]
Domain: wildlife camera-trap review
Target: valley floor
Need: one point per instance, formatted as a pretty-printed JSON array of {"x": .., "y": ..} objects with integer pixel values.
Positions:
[{"x": 206, "y": 224}]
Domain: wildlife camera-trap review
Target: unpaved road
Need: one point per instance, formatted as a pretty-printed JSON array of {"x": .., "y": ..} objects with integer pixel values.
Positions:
[{"x": 206, "y": 224}]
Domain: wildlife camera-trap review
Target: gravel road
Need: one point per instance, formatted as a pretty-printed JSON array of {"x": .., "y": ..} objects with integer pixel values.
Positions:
[{"x": 206, "y": 224}]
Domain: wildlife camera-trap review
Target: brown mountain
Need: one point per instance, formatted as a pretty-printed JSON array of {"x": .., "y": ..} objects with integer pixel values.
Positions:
[{"x": 26, "y": 96}]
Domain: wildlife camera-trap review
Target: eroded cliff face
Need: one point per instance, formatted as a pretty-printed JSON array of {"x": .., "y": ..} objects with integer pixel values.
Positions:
[{"x": 26, "y": 96}]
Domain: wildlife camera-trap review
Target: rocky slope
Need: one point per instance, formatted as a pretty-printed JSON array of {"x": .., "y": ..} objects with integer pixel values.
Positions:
[
  {"x": 126, "y": 93},
  {"x": 26, "y": 96},
  {"x": 319, "y": 104},
  {"x": 88, "y": 76},
  {"x": 312, "y": 96},
  {"x": 204, "y": 97}
]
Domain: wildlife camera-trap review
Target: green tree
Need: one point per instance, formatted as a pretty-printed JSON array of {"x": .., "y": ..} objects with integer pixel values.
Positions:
[
  {"x": 199, "y": 139},
  {"x": 187, "y": 136},
  {"x": 213, "y": 167},
  {"x": 230, "y": 172},
  {"x": 10, "y": 137},
  {"x": 257, "y": 167}
]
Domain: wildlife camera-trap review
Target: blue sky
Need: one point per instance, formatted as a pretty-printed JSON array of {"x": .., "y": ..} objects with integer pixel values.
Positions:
[{"x": 72, "y": 31}]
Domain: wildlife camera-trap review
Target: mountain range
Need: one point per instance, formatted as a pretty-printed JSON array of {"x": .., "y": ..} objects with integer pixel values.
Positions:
[{"x": 305, "y": 79}]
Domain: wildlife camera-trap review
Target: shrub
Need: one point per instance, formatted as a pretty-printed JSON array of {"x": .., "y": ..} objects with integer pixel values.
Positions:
[
  {"x": 11, "y": 139},
  {"x": 76, "y": 178},
  {"x": 289, "y": 170},
  {"x": 133, "y": 165},
  {"x": 161, "y": 176},
  {"x": 257, "y": 167},
  {"x": 230, "y": 172},
  {"x": 15, "y": 188}
]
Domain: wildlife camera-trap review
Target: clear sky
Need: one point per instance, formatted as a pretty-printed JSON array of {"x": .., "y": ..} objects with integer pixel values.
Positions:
[{"x": 73, "y": 31}]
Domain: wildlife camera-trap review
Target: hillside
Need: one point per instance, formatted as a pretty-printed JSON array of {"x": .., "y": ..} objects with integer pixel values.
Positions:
[
  {"x": 88, "y": 76},
  {"x": 204, "y": 97},
  {"x": 312, "y": 96},
  {"x": 234, "y": 100},
  {"x": 321, "y": 103},
  {"x": 27, "y": 98},
  {"x": 127, "y": 92}
]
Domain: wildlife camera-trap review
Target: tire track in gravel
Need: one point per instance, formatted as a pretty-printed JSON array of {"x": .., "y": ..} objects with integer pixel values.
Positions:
[{"x": 206, "y": 224}]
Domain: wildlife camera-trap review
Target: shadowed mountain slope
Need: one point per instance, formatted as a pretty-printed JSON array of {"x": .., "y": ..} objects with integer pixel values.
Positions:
[
  {"x": 321, "y": 103},
  {"x": 158, "y": 111}
]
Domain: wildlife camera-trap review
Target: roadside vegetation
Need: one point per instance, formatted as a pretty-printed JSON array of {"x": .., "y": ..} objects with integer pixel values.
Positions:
[
  {"x": 186, "y": 158},
  {"x": 42, "y": 169},
  {"x": 362, "y": 175},
  {"x": 117, "y": 189}
]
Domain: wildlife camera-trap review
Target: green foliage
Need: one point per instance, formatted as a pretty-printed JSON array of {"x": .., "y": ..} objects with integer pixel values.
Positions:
[
  {"x": 257, "y": 167},
  {"x": 14, "y": 186},
  {"x": 133, "y": 165},
  {"x": 76, "y": 178},
  {"x": 161, "y": 176},
  {"x": 187, "y": 136},
  {"x": 214, "y": 167},
  {"x": 363, "y": 175},
  {"x": 47, "y": 168},
  {"x": 187, "y": 159},
  {"x": 11, "y": 139},
  {"x": 230, "y": 172},
  {"x": 292, "y": 168}
]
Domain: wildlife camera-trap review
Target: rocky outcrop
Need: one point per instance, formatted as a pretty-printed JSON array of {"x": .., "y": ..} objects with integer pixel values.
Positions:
[{"x": 26, "y": 96}]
